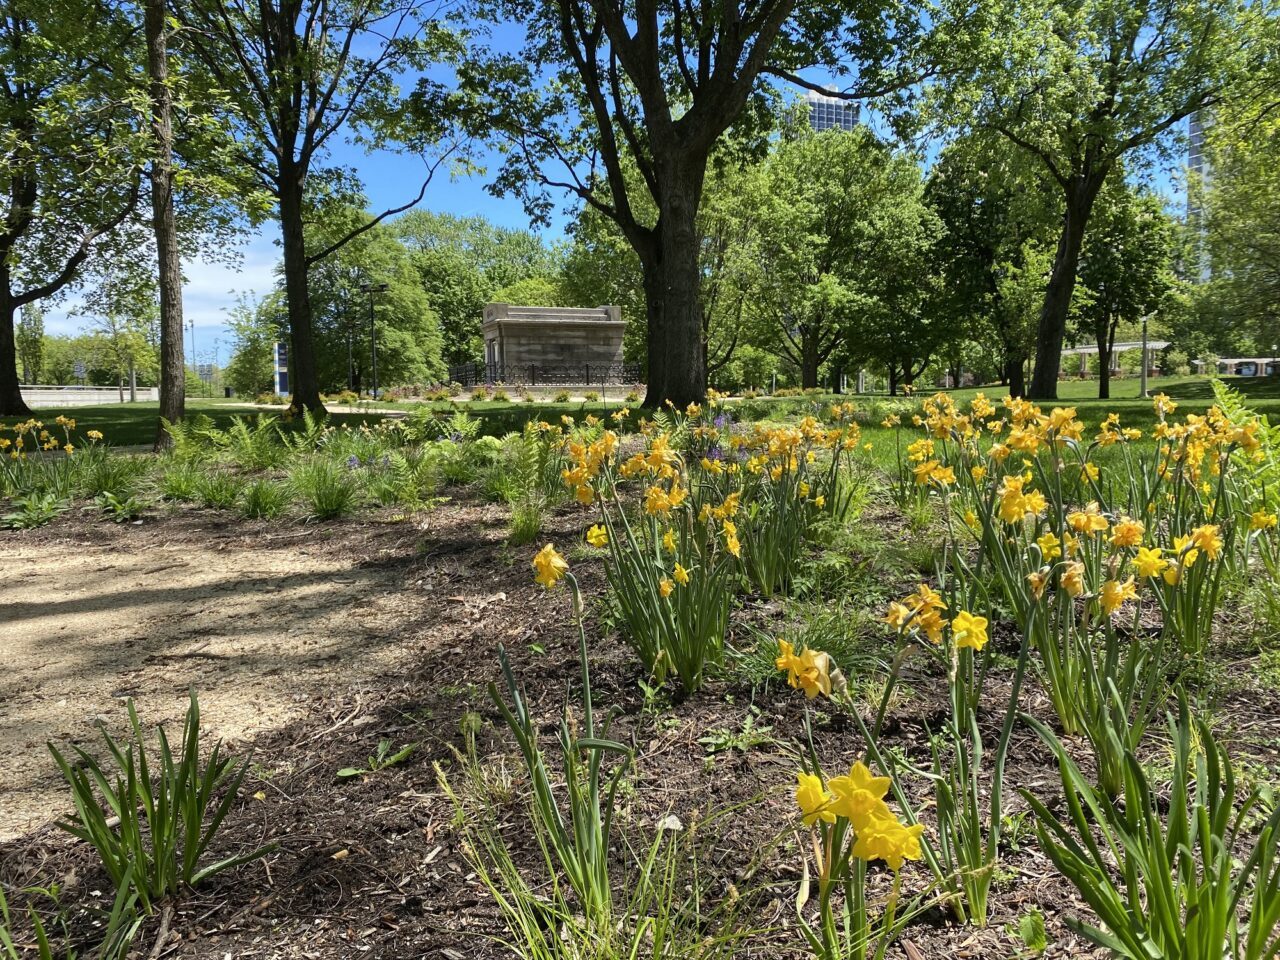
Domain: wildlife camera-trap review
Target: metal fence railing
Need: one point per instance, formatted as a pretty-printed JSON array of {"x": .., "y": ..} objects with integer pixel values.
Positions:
[{"x": 543, "y": 374}]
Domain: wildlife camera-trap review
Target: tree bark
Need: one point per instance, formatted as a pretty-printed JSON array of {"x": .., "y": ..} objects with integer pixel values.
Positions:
[
  {"x": 304, "y": 383},
  {"x": 1014, "y": 376},
  {"x": 11, "y": 402},
  {"x": 809, "y": 363},
  {"x": 173, "y": 368},
  {"x": 1062, "y": 283},
  {"x": 677, "y": 364}
]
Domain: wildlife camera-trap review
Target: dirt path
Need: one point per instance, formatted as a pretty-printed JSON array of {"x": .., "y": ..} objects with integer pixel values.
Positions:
[{"x": 85, "y": 626}]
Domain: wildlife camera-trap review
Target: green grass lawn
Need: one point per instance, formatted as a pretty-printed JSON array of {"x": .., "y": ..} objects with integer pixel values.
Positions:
[{"x": 134, "y": 424}]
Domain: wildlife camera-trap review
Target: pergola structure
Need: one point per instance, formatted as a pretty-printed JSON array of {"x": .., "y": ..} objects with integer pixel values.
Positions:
[{"x": 1086, "y": 351}]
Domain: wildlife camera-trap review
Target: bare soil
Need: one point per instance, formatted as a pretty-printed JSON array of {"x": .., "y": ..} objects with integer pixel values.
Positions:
[{"x": 310, "y": 644}]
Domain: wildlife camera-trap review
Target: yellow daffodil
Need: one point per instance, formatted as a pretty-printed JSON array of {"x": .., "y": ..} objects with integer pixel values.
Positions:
[
  {"x": 665, "y": 587},
  {"x": 888, "y": 840},
  {"x": 1261, "y": 520},
  {"x": 1127, "y": 533},
  {"x": 1208, "y": 539},
  {"x": 1149, "y": 562},
  {"x": 681, "y": 575},
  {"x": 1114, "y": 593},
  {"x": 813, "y": 799},
  {"x": 969, "y": 631},
  {"x": 549, "y": 566},
  {"x": 597, "y": 536},
  {"x": 859, "y": 797},
  {"x": 1050, "y": 547}
]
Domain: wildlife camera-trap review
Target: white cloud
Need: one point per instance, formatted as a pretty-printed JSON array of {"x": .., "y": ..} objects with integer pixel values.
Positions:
[{"x": 209, "y": 291}]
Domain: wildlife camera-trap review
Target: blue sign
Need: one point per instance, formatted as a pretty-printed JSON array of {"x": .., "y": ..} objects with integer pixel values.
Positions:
[{"x": 281, "y": 353}]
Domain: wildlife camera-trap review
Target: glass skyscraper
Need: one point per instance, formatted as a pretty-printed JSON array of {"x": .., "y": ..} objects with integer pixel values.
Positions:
[{"x": 831, "y": 113}]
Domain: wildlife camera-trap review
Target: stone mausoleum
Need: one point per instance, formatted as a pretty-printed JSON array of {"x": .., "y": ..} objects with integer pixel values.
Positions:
[{"x": 553, "y": 345}]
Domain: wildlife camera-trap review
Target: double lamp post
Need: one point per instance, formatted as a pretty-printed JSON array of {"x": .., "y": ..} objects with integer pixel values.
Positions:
[{"x": 371, "y": 289}]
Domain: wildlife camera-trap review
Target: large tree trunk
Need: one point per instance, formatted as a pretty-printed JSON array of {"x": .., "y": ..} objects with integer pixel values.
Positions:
[
  {"x": 677, "y": 364},
  {"x": 1014, "y": 376},
  {"x": 1106, "y": 337},
  {"x": 303, "y": 381},
  {"x": 1062, "y": 284},
  {"x": 11, "y": 402},
  {"x": 809, "y": 363},
  {"x": 173, "y": 369}
]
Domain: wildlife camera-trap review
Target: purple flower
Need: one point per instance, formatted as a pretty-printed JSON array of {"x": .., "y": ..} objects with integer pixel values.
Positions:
[
  {"x": 456, "y": 437},
  {"x": 722, "y": 420},
  {"x": 715, "y": 453},
  {"x": 353, "y": 462}
]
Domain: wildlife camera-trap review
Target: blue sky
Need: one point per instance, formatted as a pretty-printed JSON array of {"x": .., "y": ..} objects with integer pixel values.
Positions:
[{"x": 390, "y": 179}]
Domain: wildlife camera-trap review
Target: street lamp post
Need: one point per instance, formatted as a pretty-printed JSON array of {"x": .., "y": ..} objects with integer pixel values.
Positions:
[
  {"x": 1143, "y": 385},
  {"x": 351, "y": 361},
  {"x": 371, "y": 289},
  {"x": 195, "y": 365}
]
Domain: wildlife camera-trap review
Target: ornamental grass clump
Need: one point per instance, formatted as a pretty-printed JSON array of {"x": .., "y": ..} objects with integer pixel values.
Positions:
[{"x": 161, "y": 812}]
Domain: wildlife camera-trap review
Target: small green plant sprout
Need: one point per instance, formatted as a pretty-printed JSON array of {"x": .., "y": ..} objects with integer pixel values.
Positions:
[
  {"x": 168, "y": 808},
  {"x": 385, "y": 756},
  {"x": 121, "y": 510},
  {"x": 119, "y": 927},
  {"x": 34, "y": 510},
  {"x": 752, "y": 734}
]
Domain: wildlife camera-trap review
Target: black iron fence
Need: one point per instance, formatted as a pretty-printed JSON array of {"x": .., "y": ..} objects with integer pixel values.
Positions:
[{"x": 543, "y": 374}]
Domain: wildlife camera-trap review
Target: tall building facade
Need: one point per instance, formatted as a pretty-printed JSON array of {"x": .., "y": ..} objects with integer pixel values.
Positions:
[{"x": 831, "y": 113}]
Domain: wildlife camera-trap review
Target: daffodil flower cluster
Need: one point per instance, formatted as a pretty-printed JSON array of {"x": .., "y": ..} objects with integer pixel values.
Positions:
[{"x": 851, "y": 826}]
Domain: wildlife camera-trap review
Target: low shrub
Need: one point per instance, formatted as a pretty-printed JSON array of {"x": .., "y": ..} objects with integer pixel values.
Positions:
[
  {"x": 327, "y": 489},
  {"x": 562, "y": 396},
  {"x": 591, "y": 396},
  {"x": 264, "y": 499},
  {"x": 270, "y": 399}
]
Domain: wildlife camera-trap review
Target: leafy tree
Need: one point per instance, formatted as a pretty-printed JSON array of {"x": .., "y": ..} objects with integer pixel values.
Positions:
[
  {"x": 408, "y": 332},
  {"x": 604, "y": 87},
  {"x": 1084, "y": 85},
  {"x": 1241, "y": 220},
  {"x": 254, "y": 331},
  {"x": 69, "y": 154},
  {"x": 842, "y": 238},
  {"x": 531, "y": 292},
  {"x": 299, "y": 76},
  {"x": 602, "y": 267},
  {"x": 462, "y": 262},
  {"x": 995, "y": 208},
  {"x": 1125, "y": 267},
  {"x": 30, "y": 337}
]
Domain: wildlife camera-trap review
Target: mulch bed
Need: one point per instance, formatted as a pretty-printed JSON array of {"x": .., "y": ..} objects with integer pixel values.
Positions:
[{"x": 373, "y": 866}]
